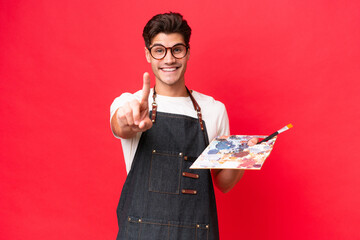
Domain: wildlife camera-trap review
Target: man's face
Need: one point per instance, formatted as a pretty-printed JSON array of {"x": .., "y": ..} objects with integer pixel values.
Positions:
[{"x": 169, "y": 70}]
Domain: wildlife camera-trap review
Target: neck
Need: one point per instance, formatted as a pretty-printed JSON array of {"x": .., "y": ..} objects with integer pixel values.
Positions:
[{"x": 175, "y": 90}]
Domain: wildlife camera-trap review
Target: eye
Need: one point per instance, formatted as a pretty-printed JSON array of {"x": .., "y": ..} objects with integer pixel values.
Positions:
[
  {"x": 178, "y": 49},
  {"x": 158, "y": 50}
]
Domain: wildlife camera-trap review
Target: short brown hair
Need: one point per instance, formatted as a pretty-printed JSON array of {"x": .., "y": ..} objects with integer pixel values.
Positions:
[{"x": 166, "y": 23}]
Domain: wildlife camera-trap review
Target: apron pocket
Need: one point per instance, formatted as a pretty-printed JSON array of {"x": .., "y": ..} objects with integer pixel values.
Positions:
[
  {"x": 141, "y": 229},
  {"x": 202, "y": 232},
  {"x": 132, "y": 229},
  {"x": 150, "y": 229},
  {"x": 166, "y": 180},
  {"x": 181, "y": 230}
]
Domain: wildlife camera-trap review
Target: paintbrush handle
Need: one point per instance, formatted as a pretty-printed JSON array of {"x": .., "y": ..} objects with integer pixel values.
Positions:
[
  {"x": 287, "y": 127},
  {"x": 268, "y": 137}
]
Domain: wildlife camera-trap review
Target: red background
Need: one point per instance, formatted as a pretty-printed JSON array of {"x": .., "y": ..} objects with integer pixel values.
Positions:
[{"x": 271, "y": 62}]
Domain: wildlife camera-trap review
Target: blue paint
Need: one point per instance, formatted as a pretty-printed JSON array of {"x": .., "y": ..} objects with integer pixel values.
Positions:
[
  {"x": 213, "y": 151},
  {"x": 224, "y": 145}
]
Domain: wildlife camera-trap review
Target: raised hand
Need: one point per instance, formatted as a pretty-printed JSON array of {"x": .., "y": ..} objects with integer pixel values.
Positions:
[{"x": 133, "y": 116}]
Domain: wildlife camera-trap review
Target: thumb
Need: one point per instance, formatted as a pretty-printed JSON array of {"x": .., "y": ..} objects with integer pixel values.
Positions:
[
  {"x": 145, "y": 124},
  {"x": 253, "y": 141}
]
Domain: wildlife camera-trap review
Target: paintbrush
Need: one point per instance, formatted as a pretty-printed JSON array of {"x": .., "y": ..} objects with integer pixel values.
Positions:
[{"x": 287, "y": 127}]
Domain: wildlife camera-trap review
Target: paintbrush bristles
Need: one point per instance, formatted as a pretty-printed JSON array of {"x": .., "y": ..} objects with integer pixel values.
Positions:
[{"x": 287, "y": 127}]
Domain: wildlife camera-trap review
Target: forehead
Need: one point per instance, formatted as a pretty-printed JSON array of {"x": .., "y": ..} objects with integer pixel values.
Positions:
[{"x": 168, "y": 40}]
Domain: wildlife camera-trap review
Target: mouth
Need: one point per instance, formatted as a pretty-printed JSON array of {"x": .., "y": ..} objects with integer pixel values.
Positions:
[{"x": 169, "y": 69}]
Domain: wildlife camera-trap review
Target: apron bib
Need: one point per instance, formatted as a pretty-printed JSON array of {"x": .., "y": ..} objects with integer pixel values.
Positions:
[{"x": 162, "y": 198}]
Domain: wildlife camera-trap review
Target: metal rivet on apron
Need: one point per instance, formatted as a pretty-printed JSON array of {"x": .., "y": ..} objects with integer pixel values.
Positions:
[
  {"x": 154, "y": 151},
  {"x": 139, "y": 220},
  {"x": 180, "y": 154},
  {"x": 207, "y": 226},
  {"x": 197, "y": 225}
]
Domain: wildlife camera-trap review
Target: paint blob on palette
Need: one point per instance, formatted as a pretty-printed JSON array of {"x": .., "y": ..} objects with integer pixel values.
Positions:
[{"x": 233, "y": 152}]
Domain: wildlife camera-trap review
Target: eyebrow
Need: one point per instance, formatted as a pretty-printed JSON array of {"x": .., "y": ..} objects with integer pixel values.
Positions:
[{"x": 158, "y": 44}]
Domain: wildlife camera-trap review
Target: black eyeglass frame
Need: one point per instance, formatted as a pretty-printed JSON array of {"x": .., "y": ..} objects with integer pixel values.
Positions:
[{"x": 166, "y": 50}]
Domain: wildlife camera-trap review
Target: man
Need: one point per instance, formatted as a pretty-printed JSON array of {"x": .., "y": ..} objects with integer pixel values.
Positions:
[{"x": 163, "y": 130}]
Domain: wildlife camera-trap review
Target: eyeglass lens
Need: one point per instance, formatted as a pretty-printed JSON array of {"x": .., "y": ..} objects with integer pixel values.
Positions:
[{"x": 159, "y": 52}]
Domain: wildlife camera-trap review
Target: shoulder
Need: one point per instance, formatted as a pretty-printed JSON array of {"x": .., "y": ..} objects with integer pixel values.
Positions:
[
  {"x": 206, "y": 102},
  {"x": 214, "y": 114}
]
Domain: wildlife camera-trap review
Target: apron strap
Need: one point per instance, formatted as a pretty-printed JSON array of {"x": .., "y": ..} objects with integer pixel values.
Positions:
[
  {"x": 154, "y": 107},
  {"x": 196, "y": 107}
]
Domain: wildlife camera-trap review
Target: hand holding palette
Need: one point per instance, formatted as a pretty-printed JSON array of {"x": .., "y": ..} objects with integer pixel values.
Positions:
[{"x": 233, "y": 152}]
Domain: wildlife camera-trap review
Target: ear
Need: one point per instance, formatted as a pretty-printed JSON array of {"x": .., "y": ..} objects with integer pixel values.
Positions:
[{"x": 147, "y": 55}]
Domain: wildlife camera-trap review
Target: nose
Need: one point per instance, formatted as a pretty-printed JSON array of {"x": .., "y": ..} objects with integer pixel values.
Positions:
[{"x": 169, "y": 58}]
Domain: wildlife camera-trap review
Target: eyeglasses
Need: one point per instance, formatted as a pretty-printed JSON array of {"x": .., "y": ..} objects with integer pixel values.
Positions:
[{"x": 178, "y": 51}]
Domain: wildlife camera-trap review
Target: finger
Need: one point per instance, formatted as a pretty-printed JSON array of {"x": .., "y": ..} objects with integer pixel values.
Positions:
[
  {"x": 135, "y": 106},
  {"x": 128, "y": 114},
  {"x": 145, "y": 124},
  {"x": 144, "y": 114},
  {"x": 146, "y": 88},
  {"x": 121, "y": 117},
  {"x": 253, "y": 141},
  {"x": 135, "y": 128}
]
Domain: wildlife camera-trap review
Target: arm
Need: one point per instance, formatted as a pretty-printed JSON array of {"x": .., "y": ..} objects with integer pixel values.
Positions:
[
  {"x": 133, "y": 116},
  {"x": 226, "y": 179}
]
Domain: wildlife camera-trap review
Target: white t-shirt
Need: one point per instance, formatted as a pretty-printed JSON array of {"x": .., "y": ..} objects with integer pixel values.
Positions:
[{"x": 213, "y": 112}]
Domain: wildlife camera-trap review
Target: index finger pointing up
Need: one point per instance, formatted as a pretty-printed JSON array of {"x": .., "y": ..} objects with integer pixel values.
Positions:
[{"x": 146, "y": 88}]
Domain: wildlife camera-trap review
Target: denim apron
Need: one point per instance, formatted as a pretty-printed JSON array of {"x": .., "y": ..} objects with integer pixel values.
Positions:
[{"x": 162, "y": 198}]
